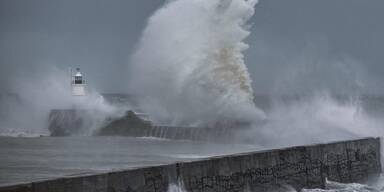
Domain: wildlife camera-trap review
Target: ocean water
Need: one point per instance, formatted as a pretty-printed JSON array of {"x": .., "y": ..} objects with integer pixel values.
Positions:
[
  {"x": 38, "y": 158},
  {"x": 26, "y": 156}
]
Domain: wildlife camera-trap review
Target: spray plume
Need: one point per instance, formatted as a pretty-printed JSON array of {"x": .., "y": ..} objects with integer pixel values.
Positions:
[{"x": 190, "y": 65}]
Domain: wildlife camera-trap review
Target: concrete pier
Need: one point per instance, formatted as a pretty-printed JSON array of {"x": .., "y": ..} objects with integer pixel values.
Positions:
[{"x": 299, "y": 167}]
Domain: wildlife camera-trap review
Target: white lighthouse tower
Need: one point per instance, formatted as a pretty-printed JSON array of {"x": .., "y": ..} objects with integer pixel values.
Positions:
[{"x": 78, "y": 83}]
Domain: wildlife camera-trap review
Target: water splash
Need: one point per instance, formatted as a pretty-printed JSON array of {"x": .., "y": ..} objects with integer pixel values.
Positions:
[
  {"x": 331, "y": 186},
  {"x": 176, "y": 188},
  {"x": 190, "y": 63},
  {"x": 315, "y": 119}
]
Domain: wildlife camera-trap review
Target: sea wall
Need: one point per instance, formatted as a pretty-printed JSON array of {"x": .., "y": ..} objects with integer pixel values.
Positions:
[{"x": 299, "y": 167}]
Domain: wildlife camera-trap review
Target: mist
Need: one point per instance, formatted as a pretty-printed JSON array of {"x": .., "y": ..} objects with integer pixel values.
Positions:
[
  {"x": 25, "y": 112},
  {"x": 41, "y": 40},
  {"x": 317, "y": 96}
]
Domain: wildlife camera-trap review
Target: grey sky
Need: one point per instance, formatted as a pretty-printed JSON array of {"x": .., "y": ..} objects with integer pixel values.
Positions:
[{"x": 100, "y": 35}]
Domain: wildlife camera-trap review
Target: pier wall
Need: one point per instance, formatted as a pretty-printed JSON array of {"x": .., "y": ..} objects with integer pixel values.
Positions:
[
  {"x": 73, "y": 122},
  {"x": 299, "y": 167},
  {"x": 177, "y": 133}
]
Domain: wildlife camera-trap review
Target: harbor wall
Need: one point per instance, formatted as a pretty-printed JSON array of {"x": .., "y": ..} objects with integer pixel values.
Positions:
[
  {"x": 73, "y": 122},
  {"x": 176, "y": 133},
  {"x": 299, "y": 167}
]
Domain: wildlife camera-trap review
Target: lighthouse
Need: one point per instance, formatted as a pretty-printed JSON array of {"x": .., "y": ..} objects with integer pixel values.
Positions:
[{"x": 78, "y": 83}]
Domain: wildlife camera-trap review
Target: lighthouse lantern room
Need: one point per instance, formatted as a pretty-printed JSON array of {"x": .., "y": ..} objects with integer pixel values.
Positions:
[{"x": 78, "y": 83}]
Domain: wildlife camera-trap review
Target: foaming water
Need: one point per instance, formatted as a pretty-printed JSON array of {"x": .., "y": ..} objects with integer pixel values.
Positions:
[
  {"x": 178, "y": 186},
  {"x": 350, "y": 187},
  {"x": 175, "y": 188},
  {"x": 329, "y": 187},
  {"x": 190, "y": 63}
]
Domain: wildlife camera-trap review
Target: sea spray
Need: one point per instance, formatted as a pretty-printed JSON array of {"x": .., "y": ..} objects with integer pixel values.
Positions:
[
  {"x": 26, "y": 111},
  {"x": 317, "y": 95},
  {"x": 189, "y": 64},
  {"x": 321, "y": 117},
  {"x": 331, "y": 186}
]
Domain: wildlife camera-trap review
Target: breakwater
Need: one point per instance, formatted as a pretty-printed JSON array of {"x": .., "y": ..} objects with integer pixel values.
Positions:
[
  {"x": 173, "y": 132},
  {"x": 72, "y": 122},
  {"x": 303, "y": 166}
]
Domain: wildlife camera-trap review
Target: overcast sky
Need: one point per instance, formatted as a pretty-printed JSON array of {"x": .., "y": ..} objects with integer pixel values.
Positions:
[{"x": 294, "y": 45}]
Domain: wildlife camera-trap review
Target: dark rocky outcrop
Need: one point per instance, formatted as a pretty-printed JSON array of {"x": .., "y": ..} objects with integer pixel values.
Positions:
[{"x": 129, "y": 125}]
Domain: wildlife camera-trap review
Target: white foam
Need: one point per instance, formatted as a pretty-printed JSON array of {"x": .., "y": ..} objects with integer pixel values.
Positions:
[{"x": 190, "y": 63}]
